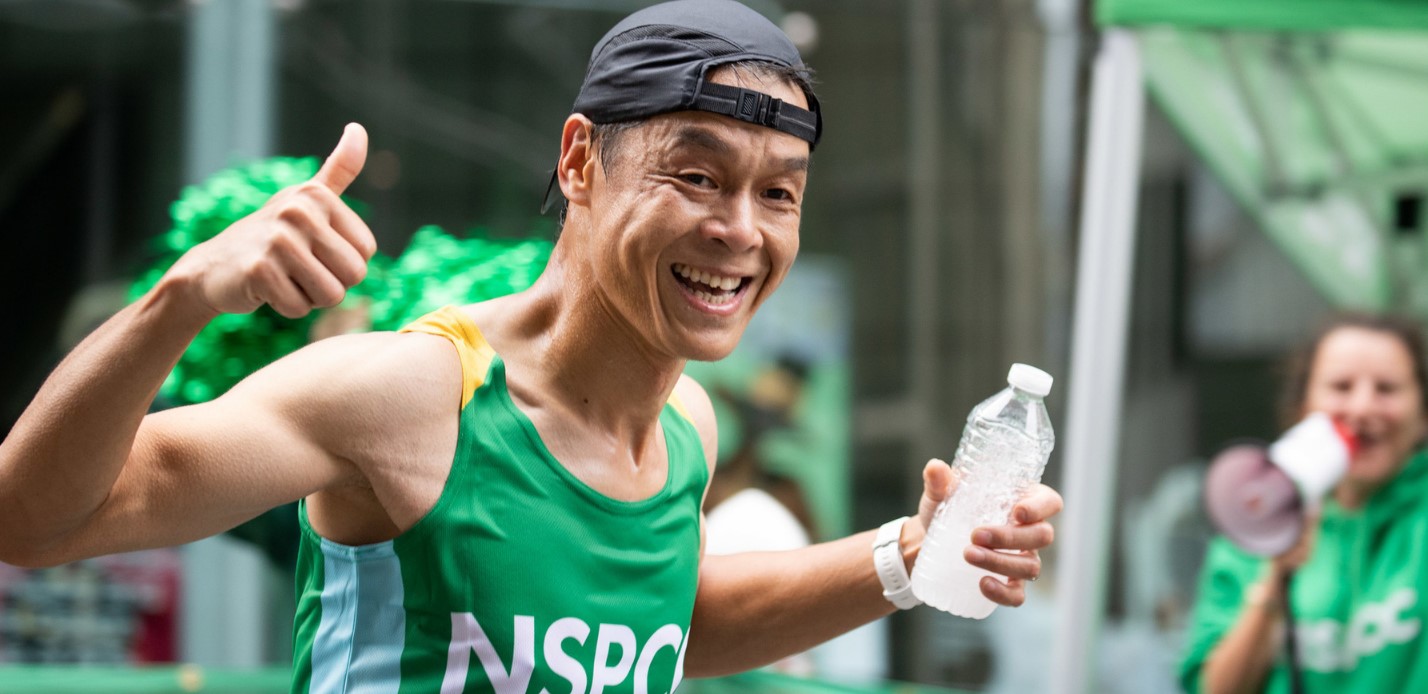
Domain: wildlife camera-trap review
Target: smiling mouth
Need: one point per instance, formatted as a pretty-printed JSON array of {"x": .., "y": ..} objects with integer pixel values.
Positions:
[
  {"x": 1364, "y": 443},
  {"x": 711, "y": 288}
]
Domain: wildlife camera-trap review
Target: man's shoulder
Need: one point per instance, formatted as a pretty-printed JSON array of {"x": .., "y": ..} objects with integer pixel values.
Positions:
[
  {"x": 694, "y": 397},
  {"x": 374, "y": 355},
  {"x": 700, "y": 409},
  {"x": 387, "y": 370},
  {"x": 368, "y": 397}
]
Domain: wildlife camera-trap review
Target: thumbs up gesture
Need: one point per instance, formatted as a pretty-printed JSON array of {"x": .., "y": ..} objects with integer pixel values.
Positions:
[{"x": 302, "y": 250}]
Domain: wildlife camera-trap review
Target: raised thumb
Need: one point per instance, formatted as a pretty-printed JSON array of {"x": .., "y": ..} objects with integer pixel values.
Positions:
[{"x": 346, "y": 160}]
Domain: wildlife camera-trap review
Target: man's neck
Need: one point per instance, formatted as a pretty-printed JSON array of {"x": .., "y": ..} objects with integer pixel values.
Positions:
[{"x": 571, "y": 352}]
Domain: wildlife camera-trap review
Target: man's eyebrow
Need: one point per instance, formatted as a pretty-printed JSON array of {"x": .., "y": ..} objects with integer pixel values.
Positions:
[
  {"x": 795, "y": 165},
  {"x": 693, "y": 136}
]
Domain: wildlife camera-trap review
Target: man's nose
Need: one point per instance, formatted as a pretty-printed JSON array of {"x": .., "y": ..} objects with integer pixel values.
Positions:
[{"x": 735, "y": 226}]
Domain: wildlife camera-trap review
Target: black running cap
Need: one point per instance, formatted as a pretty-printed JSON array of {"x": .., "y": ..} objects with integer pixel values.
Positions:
[{"x": 656, "y": 61}]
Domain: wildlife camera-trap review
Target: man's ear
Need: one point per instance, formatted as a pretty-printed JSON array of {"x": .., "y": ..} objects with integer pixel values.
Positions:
[{"x": 576, "y": 167}]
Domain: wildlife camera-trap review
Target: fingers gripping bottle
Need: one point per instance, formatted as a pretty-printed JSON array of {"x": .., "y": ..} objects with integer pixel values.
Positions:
[{"x": 1002, "y": 454}]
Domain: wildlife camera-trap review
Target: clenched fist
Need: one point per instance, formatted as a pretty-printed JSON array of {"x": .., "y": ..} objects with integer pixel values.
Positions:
[{"x": 301, "y": 251}]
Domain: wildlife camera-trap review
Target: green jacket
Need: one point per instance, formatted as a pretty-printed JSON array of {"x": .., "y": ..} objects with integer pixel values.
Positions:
[{"x": 1358, "y": 602}]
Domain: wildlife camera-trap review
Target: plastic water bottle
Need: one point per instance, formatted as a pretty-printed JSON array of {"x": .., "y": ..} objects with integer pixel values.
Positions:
[{"x": 1002, "y": 453}]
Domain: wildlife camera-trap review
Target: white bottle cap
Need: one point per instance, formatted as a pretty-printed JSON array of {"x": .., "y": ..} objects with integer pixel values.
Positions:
[{"x": 1030, "y": 379}]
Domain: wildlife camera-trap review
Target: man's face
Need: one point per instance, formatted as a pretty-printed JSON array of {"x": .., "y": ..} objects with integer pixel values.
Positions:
[{"x": 696, "y": 223}]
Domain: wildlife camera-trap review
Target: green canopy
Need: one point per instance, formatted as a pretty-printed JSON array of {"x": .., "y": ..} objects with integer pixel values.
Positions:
[
  {"x": 1311, "y": 113},
  {"x": 1320, "y": 137},
  {"x": 1274, "y": 15}
]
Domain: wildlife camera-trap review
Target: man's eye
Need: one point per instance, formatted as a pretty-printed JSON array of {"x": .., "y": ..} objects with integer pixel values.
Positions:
[
  {"x": 696, "y": 179},
  {"x": 779, "y": 194}
]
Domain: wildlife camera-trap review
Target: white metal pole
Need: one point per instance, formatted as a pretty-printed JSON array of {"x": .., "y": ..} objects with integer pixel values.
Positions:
[
  {"x": 230, "y": 114},
  {"x": 1059, "y": 96},
  {"x": 1098, "y": 346}
]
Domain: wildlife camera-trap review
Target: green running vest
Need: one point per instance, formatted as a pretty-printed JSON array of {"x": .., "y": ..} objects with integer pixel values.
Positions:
[{"x": 521, "y": 579}]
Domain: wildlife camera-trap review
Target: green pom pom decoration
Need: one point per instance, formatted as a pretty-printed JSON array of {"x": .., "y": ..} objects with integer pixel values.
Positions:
[
  {"x": 438, "y": 270},
  {"x": 435, "y": 270}
]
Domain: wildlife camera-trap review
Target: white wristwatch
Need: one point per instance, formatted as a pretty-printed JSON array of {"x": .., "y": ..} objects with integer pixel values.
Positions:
[{"x": 892, "y": 571}]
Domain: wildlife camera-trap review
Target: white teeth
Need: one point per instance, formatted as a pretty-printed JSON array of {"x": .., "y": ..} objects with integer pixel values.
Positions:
[
  {"x": 706, "y": 278},
  {"x": 713, "y": 298}
]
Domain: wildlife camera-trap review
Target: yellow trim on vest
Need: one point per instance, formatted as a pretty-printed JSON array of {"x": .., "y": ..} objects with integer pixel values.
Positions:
[
  {"x": 476, "y": 354},
  {"x": 678, "y": 406}
]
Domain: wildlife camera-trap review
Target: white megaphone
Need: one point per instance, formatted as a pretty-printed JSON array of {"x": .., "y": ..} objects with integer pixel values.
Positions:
[{"x": 1257, "y": 496}]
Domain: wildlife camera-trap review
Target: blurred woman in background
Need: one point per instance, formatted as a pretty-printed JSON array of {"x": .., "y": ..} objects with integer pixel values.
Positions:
[{"x": 1360, "y": 571}]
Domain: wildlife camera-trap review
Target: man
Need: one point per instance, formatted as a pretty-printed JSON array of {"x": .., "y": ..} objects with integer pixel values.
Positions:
[{"x": 520, "y": 479}]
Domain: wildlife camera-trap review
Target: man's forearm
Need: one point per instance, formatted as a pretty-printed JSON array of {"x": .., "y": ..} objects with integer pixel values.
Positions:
[
  {"x": 754, "y": 609},
  {"x": 59, "y": 462}
]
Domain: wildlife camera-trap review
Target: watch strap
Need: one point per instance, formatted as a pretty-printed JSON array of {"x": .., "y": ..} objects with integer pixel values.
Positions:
[{"x": 892, "y": 570}]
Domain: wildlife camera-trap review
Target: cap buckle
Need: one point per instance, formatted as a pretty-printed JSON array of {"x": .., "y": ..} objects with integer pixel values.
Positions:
[{"x": 758, "y": 108}]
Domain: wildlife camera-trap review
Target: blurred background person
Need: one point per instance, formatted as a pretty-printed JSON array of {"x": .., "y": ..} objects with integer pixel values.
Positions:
[
  {"x": 1359, "y": 569},
  {"x": 751, "y": 507}
]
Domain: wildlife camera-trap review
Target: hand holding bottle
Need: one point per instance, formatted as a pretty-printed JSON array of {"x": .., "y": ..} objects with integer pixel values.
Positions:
[
  {"x": 1006, "y": 550},
  {"x": 1003, "y": 451}
]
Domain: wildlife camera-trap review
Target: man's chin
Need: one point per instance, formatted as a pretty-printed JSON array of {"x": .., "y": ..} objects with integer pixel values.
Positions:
[
  {"x": 711, "y": 350},
  {"x": 710, "y": 356}
]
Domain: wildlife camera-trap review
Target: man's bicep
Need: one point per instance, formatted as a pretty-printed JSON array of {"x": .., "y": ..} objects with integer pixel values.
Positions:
[{"x": 198, "y": 470}]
